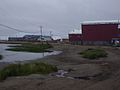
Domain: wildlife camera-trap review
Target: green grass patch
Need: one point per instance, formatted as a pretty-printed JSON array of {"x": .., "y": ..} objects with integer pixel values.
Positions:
[
  {"x": 37, "y": 48},
  {"x": 1, "y": 57},
  {"x": 93, "y": 53},
  {"x": 26, "y": 69}
]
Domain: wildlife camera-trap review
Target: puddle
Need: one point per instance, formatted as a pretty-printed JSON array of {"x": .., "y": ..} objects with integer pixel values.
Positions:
[{"x": 12, "y": 56}]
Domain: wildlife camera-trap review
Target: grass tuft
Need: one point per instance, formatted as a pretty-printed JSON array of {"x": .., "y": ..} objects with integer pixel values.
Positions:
[
  {"x": 26, "y": 69},
  {"x": 93, "y": 53},
  {"x": 36, "y": 48}
]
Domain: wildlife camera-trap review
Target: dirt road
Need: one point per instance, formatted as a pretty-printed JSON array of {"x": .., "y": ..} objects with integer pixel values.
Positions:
[{"x": 99, "y": 74}]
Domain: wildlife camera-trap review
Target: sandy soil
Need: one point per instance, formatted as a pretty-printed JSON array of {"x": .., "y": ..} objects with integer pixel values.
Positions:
[{"x": 99, "y": 74}]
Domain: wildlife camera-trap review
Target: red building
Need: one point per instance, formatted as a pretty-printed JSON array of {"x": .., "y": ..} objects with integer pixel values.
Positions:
[
  {"x": 100, "y": 32},
  {"x": 75, "y": 37}
]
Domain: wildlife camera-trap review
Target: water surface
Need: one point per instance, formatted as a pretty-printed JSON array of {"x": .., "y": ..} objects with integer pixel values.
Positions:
[{"x": 12, "y": 56}]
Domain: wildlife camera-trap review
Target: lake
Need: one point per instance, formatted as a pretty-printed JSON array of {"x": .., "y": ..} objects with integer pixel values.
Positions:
[{"x": 12, "y": 56}]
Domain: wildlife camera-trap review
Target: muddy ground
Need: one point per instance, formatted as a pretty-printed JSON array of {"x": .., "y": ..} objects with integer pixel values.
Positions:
[{"x": 83, "y": 74}]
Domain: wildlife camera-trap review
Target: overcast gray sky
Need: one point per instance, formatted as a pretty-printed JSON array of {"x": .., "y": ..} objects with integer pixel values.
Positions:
[{"x": 58, "y": 16}]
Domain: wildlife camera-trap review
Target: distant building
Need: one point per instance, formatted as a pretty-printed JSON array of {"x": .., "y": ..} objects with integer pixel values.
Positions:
[
  {"x": 56, "y": 39},
  {"x": 100, "y": 32},
  {"x": 75, "y": 37},
  {"x": 31, "y": 38},
  {"x": 45, "y": 38},
  {"x": 96, "y": 33},
  {"x": 15, "y": 39}
]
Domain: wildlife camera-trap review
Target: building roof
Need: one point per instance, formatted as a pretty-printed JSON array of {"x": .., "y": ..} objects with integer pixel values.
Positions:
[
  {"x": 76, "y": 32},
  {"x": 101, "y": 22},
  {"x": 56, "y": 37}
]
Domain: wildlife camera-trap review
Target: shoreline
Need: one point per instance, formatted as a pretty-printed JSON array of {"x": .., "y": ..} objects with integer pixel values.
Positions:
[
  {"x": 101, "y": 71},
  {"x": 14, "y": 56}
]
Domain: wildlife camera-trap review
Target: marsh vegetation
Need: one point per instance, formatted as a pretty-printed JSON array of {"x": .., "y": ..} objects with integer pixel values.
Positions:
[
  {"x": 26, "y": 69},
  {"x": 36, "y": 48},
  {"x": 93, "y": 53}
]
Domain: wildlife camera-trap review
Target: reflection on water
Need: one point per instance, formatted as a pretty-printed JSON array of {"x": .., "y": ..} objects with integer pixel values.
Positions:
[{"x": 10, "y": 56}]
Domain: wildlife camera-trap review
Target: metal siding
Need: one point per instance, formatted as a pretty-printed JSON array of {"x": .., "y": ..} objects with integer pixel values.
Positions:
[
  {"x": 99, "y": 32},
  {"x": 74, "y": 37}
]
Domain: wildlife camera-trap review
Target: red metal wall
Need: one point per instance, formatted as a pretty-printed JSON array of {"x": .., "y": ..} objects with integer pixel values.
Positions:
[
  {"x": 99, "y": 32},
  {"x": 74, "y": 37}
]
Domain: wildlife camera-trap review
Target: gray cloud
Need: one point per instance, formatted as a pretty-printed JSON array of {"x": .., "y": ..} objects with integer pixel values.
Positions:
[{"x": 59, "y": 16}]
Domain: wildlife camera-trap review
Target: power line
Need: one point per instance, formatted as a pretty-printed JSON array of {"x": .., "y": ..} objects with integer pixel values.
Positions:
[{"x": 18, "y": 30}]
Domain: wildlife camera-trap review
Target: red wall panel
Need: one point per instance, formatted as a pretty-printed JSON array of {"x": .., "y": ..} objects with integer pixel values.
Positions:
[
  {"x": 99, "y": 32},
  {"x": 75, "y": 37}
]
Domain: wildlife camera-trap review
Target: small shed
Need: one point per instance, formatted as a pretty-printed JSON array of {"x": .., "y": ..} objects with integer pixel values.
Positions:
[{"x": 75, "y": 37}]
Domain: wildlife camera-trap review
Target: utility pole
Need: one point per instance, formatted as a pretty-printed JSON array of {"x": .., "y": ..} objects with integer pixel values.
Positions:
[
  {"x": 41, "y": 28},
  {"x": 50, "y": 33},
  {"x": 41, "y": 31}
]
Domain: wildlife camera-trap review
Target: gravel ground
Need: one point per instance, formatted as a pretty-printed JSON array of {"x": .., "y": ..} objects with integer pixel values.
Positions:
[{"x": 99, "y": 74}]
